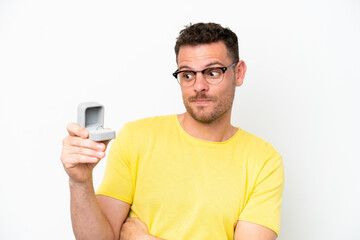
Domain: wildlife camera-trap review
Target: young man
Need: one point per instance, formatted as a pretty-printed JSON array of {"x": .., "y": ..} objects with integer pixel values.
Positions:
[{"x": 186, "y": 176}]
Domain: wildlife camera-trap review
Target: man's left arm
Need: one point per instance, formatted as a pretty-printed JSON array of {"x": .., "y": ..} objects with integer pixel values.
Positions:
[
  {"x": 260, "y": 219},
  {"x": 252, "y": 231},
  {"x": 134, "y": 228}
]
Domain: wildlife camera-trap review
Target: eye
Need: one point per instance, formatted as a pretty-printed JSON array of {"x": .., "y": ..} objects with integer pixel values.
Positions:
[
  {"x": 186, "y": 76},
  {"x": 213, "y": 73}
]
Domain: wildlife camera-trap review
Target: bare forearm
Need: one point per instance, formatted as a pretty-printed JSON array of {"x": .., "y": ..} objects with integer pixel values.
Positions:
[{"x": 88, "y": 221}]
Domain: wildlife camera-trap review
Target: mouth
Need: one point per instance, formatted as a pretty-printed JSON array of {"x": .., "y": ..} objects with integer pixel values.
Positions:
[{"x": 201, "y": 101}]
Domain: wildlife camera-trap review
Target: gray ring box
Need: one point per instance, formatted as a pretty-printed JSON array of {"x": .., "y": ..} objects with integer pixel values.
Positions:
[{"x": 90, "y": 115}]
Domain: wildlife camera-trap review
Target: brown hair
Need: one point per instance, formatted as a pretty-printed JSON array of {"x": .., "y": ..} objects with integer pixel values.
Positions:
[{"x": 202, "y": 33}]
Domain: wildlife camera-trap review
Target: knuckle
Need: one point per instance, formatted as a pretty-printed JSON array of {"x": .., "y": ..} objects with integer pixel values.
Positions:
[
  {"x": 91, "y": 144},
  {"x": 68, "y": 141},
  {"x": 84, "y": 152},
  {"x": 82, "y": 158},
  {"x": 67, "y": 165},
  {"x": 79, "y": 151},
  {"x": 73, "y": 128},
  {"x": 98, "y": 146},
  {"x": 75, "y": 141},
  {"x": 65, "y": 141},
  {"x": 75, "y": 159},
  {"x": 64, "y": 158}
]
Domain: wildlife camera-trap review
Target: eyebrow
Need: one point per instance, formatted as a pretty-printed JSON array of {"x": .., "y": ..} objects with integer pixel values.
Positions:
[{"x": 206, "y": 66}]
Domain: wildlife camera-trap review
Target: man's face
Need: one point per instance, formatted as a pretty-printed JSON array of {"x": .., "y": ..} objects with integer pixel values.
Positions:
[{"x": 203, "y": 101}]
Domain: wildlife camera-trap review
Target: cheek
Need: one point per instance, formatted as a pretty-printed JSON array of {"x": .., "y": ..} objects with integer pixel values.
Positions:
[
  {"x": 226, "y": 94},
  {"x": 226, "y": 90},
  {"x": 185, "y": 93}
]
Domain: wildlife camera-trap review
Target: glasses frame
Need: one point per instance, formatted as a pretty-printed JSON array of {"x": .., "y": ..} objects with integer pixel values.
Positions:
[{"x": 223, "y": 69}]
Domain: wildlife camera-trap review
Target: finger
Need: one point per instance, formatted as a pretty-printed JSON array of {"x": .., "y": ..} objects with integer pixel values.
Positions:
[
  {"x": 71, "y": 160},
  {"x": 137, "y": 223},
  {"x": 85, "y": 151},
  {"x": 76, "y": 130},
  {"x": 84, "y": 143}
]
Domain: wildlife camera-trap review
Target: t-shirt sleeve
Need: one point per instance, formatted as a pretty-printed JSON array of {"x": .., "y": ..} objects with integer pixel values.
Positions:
[
  {"x": 118, "y": 181},
  {"x": 264, "y": 204}
]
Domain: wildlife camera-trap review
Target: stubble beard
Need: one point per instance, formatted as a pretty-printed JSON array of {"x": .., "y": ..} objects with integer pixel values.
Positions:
[{"x": 222, "y": 106}]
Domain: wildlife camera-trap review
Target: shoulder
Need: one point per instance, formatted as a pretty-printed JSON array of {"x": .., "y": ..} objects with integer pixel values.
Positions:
[
  {"x": 255, "y": 143},
  {"x": 263, "y": 162},
  {"x": 258, "y": 150}
]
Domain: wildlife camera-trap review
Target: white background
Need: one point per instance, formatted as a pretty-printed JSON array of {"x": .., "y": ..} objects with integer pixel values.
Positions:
[{"x": 300, "y": 94}]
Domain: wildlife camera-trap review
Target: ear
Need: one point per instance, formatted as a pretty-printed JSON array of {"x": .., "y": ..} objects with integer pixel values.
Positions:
[{"x": 240, "y": 73}]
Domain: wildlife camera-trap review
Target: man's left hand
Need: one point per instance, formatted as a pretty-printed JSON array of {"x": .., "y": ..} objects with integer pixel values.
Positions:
[{"x": 134, "y": 229}]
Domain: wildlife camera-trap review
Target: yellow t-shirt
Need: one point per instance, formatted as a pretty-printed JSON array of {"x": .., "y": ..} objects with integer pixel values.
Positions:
[{"x": 185, "y": 188}]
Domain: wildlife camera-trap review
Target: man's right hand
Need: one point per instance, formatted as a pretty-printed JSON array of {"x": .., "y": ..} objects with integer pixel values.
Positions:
[{"x": 80, "y": 155}]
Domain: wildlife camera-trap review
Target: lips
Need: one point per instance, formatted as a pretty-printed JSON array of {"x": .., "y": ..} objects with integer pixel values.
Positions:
[
  {"x": 200, "y": 97},
  {"x": 201, "y": 100}
]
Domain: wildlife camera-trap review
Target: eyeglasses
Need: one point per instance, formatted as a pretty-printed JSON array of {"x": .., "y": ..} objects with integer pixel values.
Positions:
[{"x": 212, "y": 76}]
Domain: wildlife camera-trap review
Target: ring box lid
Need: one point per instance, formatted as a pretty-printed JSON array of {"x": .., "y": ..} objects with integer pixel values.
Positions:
[{"x": 90, "y": 115}]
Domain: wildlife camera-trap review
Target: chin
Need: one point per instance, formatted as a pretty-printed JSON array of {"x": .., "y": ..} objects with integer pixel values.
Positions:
[{"x": 204, "y": 117}]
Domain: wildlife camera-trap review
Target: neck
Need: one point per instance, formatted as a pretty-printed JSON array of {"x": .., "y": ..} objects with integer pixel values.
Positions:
[{"x": 218, "y": 130}]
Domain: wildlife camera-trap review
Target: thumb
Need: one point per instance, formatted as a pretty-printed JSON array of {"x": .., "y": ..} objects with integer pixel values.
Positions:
[{"x": 76, "y": 130}]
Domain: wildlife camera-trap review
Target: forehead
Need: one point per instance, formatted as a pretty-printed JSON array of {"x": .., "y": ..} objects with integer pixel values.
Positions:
[{"x": 201, "y": 55}]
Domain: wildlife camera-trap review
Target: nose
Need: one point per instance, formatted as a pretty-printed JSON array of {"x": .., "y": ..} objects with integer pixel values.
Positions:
[{"x": 200, "y": 84}]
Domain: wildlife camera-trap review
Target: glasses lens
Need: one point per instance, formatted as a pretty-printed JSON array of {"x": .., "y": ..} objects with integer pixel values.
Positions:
[
  {"x": 213, "y": 75},
  {"x": 186, "y": 78}
]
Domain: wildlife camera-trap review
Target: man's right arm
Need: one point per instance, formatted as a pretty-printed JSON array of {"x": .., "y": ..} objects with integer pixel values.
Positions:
[{"x": 93, "y": 217}]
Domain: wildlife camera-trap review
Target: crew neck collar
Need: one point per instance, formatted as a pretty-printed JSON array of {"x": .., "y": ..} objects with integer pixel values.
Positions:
[{"x": 178, "y": 125}]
